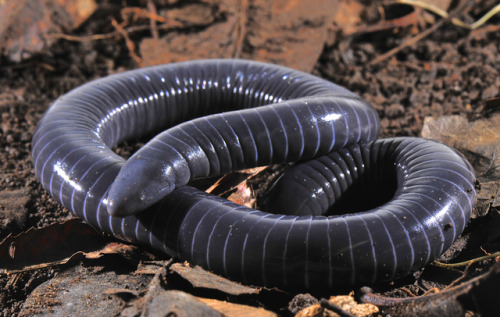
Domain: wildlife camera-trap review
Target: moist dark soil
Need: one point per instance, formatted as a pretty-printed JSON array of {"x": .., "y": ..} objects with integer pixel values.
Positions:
[{"x": 451, "y": 71}]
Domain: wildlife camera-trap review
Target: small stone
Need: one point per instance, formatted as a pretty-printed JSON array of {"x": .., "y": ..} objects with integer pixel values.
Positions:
[
  {"x": 394, "y": 111},
  {"x": 489, "y": 92}
]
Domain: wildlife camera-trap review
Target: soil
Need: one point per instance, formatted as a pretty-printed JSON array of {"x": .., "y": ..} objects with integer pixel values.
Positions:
[{"x": 451, "y": 71}]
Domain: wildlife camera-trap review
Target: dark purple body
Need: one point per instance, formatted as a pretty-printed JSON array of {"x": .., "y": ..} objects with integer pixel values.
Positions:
[{"x": 283, "y": 116}]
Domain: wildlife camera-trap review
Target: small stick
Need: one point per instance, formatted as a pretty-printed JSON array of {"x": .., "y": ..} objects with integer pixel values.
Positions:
[
  {"x": 335, "y": 308},
  {"x": 152, "y": 22},
  {"x": 468, "y": 262},
  {"x": 444, "y": 14},
  {"x": 128, "y": 42},
  {"x": 418, "y": 37},
  {"x": 240, "y": 28}
]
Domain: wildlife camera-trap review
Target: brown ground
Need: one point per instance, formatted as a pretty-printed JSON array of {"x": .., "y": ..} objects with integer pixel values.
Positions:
[{"x": 451, "y": 71}]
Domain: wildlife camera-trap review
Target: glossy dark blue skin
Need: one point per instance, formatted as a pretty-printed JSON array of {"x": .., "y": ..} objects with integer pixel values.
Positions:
[{"x": 305, "y": 117}]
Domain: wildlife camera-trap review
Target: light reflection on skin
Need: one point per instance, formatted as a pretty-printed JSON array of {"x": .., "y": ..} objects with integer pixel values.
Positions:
[
  {"x": 59, "y": 169},
  {"x": 110, "y": 116},
  {"x": 434, "y": 220},
  {"x": 331, "y": 117}
]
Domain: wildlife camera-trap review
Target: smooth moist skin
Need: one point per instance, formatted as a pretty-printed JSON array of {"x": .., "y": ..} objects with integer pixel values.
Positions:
[{"x": 418, "y": 194}]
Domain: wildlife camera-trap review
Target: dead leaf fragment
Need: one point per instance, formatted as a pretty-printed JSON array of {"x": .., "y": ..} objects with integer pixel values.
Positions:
[
  {"x": 236, "y": 188},
  {"x": 265, "y": 31},
  {"x": 231, "y": 181},
  {"x": 214, "y": 40},
  {"x": 236, "y": 310},
  {"x": 479, "y": 141},
  {"x": 244, "y": 195},
  {"x": 346, "y": 303},
  {"x": 80, "y": 292},
  {"x": 191, "y": 15},
  {"x": 198, "y": 277},
  {"x": 54, "y": 245},
  {"x": 151, "y": 267},
  {"x": 480, "y": 137},
  {"x": 26, "y": 24},
  {"x": 348, "y": 16},
  {"x": 315, "y": 311},
  {"x": 78, "y": 10},
  {"x": 181, "y": 304},
  {"x": 289, "y": 33},
  {"x": 479, "y": 293}
]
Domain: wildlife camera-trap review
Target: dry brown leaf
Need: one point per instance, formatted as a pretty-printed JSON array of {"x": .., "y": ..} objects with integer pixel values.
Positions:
[
  {"x": 26, "y": 24},
  {"x": 481, "y": 136},
  {"x": 244, "y": 195},
  {"x": 236, "y": 185},
  {"x": 179, "y": 304},
  {"x": 480, "y": 142},
  {"x": 286, "y": 26},
  {"x": 395, "y": 17},
  {"x": 480, "y": 293},
  {"x": 213, "y": 41},
  {"x": 231, "y": 181},
  {"x": 346, "y": 303},
  {"x": 80, "y": 292},
  {"x": 348, "y": 16},
  {"x": 236, "y": 310},
  {"x": 198, "y": 277},
  {"x": 56, "y": 244},
  {"x": 269, "y": 32}
]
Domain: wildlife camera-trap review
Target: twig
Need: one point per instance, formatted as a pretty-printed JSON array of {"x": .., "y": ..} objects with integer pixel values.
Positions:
[
  {"x": 420, "y": 36},
  {"x": 84, "y": 38},
  {"x": 432, "y": 291},
  {"x": 152, "y": 22},
  {"x": 128, "y": 42},
  {"x": 465, "y": 263},
  {"x": 406, "y": 43},
  {"x": 334, "y": 308},
  {"x": 407, "y": 291},
  {"x": 137, "y": 13},
  {"x": 240, "y": 28},
  {"x": 455, "y": 21},
  {"x": 128, "y": 14},
  {"x": 465, "y": 273},
  {"x": 485, "y": 17},
  {"x": 105, "y": 36},
  {"x": 154, "y": 287}
]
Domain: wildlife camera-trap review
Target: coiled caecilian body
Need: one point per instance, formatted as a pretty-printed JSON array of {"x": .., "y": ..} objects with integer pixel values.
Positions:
[{"x": 262, "y": 114}]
